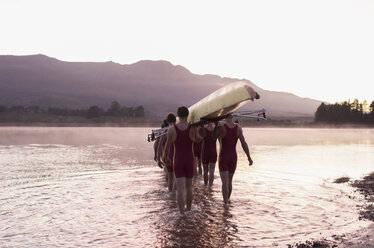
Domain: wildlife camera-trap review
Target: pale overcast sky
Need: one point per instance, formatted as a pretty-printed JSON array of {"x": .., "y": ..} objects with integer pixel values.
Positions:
[{"x": 319, "y": 49}]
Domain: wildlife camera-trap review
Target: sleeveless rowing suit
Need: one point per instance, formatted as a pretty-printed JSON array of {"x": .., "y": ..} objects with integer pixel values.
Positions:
[
  {"x": 197, "y": 149},
  {"x": 209, "y": 153},
  {"x": 184, "y": 163},
  {"x": 227, "y": 156},
  {"x": 171, "y": 154}
]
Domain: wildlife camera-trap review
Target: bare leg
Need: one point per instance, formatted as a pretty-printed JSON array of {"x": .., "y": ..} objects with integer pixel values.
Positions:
[
  {"x": 170, "y": 180},
  {"x": 181, "y": 190},
  {"x": 200, "y": 169},
  {"x": 166, "y": 173},
  {"x": 230, "y": 184},
  {"x": 225, "y": 185},
  {"x": 205, "y": 167},
  {"x": 189, "y": 195},
  {"x": 196, "y": 165},
  {"x": 211, "y": 173},
  {"x": 174, "y": 184}
]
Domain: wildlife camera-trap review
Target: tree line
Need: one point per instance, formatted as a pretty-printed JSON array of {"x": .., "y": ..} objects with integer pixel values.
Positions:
[
  {"x": 346, "y": 112},
  {"x": 94, "y": 111}
]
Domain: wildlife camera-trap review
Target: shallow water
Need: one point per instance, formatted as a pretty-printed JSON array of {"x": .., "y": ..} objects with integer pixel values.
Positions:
[{"x": 99, "y": 187}]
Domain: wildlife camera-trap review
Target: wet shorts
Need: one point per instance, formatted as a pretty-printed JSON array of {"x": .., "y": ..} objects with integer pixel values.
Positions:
[
  {"x": 209, "y": 157},
  {"x": 184, "y": 169},
  {"x": 227, "y": 164}
]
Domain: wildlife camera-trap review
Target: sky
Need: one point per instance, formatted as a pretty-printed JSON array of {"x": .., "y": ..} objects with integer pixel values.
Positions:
[{"x": 320, "y": 49}]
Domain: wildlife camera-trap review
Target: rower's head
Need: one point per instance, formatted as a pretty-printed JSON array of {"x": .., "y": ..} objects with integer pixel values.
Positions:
[
  {"x": 182, "y": 112},
  {"x": 210, "y": 125},
  {"x": 164, "y": 123},
  {"x": 171, "y": 118},
  {"x": 229, "y": 118}
]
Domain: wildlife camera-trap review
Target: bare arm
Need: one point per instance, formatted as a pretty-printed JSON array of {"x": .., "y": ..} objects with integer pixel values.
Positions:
[
  {"x": 171, "y": 136},
  {"x": 202, "y": 132},
  {"x": 155, "y": 148},
  {"x": 159, "y": 150},
  {"x": 218, "y": 131},
  {"x": 195, "y": 134},
  {"x": 244, "y": 145}
]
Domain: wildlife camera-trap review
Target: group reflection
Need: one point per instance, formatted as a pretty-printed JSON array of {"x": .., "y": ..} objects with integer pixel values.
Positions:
[{"x": 208, "y": 224}]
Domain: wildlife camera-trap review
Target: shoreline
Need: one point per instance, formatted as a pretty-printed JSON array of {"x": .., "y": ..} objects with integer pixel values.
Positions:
[
  {"x": 363, "y": 237},
  {"x": 365, "y": 186}
]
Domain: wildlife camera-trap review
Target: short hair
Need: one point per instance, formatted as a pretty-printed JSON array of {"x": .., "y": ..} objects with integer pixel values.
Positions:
[
  {"x": 182, "y": 112},
  {"x": 164, "y": 123},
  {"x": 171, "y": 118}
]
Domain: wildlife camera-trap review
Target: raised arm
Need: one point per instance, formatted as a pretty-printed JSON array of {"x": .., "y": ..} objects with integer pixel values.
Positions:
[
  {"x": 215, "y": 133},
  {"x": 195, "y": 134},
  {"x": 218, "y": 131},
  {"x": 244, "y": 145}
]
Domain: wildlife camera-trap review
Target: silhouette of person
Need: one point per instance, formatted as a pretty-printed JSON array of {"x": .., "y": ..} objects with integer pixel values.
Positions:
[
  {"x": 229, "y": 133},
  {"x": 182, "y": 135},
  {"x": 171, "y": 119},
  {"x": 157, "y": 141},
  {"x": 209, "y": 153}
]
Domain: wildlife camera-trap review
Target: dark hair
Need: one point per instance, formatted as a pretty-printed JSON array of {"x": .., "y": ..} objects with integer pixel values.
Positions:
[
  {"x": 171, "y": 118},
  {"x": 164, "y": 123},
  {"x": 182, "y": 112}
]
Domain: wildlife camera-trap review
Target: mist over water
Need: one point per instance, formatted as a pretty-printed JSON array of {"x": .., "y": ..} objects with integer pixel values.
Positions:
[{"x": 99, "y": 187}]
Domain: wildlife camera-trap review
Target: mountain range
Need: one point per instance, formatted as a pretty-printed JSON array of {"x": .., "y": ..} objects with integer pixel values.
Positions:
[{"x": 157, "y": 85}]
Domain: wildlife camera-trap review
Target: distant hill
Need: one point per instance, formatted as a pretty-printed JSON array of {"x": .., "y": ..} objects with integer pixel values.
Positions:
[{"x": 157, "y": 85}]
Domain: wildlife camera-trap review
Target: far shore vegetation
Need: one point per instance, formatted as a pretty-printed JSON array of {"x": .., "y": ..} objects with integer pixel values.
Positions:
[
  {"x": 344, "y": 114},
  {"x": 115, "y": 115}
]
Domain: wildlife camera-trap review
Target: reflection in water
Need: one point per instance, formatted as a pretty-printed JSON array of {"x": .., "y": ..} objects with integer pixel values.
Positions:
[
  {"x": 67, "y": 187},
  {"x": 208, "y": 224}
]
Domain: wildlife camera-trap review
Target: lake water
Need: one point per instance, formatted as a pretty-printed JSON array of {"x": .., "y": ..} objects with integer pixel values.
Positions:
[{"x": 99, "y": 187}]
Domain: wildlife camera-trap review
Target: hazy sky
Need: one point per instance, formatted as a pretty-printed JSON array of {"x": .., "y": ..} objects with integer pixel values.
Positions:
[{"x": 319, "y": 49}]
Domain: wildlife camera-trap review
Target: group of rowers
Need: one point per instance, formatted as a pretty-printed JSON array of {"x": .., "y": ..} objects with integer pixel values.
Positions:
[{"x": 183, "y": 148}]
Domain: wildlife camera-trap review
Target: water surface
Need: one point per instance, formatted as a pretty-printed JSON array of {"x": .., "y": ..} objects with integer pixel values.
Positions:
[{"x": 99, "y": 187}]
